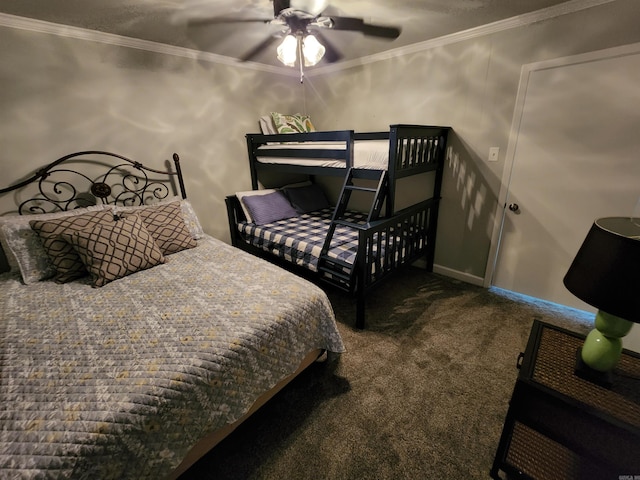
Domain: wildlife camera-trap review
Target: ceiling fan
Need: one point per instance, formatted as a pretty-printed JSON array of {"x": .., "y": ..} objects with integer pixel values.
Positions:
[{"x": 302, "y": 23}]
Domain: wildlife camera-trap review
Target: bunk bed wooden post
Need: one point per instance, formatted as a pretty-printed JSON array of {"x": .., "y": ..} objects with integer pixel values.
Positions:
[
  {"x": 361, "y": 282},
  {"x": 251, "y": 145},
  {"x": 393, "y": 152},
  {"x": 432, "y": 221},
  {"x": 349, "y": 150},
  {"x": 234, "y": 210}
]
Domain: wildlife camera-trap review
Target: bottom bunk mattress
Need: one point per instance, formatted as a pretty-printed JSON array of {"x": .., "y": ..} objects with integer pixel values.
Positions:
[
  {"x": 299, "y": 240},
  {"x": 121, "y": 381}
]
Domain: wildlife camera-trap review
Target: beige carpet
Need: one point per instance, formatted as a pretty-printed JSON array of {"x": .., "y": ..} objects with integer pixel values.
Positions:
[{"x": 421, "y": 393}]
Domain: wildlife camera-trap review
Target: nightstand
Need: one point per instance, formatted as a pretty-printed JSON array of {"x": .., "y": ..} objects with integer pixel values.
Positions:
[{"x": 560, "y": 426}]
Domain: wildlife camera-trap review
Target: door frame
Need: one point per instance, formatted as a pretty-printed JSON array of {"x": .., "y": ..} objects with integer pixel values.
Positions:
[{"x": 521, "y": 96}]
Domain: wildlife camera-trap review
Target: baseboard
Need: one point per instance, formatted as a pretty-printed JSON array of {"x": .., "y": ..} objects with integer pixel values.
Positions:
[{"x": 462, "y": 276}]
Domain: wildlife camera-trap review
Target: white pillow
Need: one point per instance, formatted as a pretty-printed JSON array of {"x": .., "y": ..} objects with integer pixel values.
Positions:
[
  {"x": 251, "y": 193},
  {"x": 22, "y": 245}
]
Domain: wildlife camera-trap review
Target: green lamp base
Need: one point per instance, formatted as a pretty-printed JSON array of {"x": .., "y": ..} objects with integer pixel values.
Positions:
[
  {"x": 602, "y": 349},
  {"x": 584, "y": 371}
]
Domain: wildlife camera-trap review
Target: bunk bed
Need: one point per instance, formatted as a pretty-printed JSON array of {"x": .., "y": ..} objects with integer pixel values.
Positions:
[
  {"x": 136, "y": 364},
  {"x": 352, "y": 250}
]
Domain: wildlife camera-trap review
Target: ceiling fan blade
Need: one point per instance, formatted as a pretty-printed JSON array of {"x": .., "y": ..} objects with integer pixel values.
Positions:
[
  {"x": 381, "y": 31},
  {"x": 216, "y": 20},
  {"x": 279, "y": 5},
  {"x": 331, "y": 54},
  {"x": 266, "y": 43},
  {"x": 358, "y": 25}
]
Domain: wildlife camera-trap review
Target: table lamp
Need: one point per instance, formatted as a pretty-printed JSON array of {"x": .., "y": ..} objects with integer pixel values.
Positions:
[{"x": 606, "y": 275}]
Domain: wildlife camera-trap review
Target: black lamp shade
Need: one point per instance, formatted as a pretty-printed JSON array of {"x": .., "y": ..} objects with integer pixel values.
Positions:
[{"x": 606, "y": 270}]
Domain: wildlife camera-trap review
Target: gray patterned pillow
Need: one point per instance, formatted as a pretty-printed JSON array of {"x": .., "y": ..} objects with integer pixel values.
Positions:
[
  {"x": 188, "y": 214},
  {"x": 114, "y": 250},
  {"x": 61, "y": 255},
  {"x": 166, "y": 225}
]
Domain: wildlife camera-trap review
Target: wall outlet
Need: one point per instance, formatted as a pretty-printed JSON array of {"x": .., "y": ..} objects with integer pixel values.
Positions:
[{"x": 493, "y": 154}]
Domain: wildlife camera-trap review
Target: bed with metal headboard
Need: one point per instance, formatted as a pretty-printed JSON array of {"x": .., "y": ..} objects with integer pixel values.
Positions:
[{"x": 127, "y": 347}]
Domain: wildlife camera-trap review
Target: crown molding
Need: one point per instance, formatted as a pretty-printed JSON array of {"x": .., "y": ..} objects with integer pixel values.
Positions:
[
  {"x": 565, "y": 8},
  {"x": 40, "y": 26}
]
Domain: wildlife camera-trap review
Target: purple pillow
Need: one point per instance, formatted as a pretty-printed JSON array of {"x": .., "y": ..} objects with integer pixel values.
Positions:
[
  {"x": 269, "y": 208},
  {"x": 307, "y": 199}
]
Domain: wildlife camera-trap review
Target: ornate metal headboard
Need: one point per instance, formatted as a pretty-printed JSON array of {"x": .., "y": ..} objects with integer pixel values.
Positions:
[{"x": 87, "y": 178}]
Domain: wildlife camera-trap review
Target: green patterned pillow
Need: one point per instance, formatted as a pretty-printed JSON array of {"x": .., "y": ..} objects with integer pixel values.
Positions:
[{"x": 292, "y": 123}]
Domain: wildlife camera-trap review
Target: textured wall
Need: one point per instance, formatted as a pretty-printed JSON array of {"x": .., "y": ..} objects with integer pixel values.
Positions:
[
  {"x": 61, "y": 95},
  {"x": 471, "y": 86}
]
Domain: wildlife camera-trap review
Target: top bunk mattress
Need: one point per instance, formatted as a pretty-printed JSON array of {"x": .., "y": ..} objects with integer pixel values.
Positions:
[{"x": 367, "y": 154}]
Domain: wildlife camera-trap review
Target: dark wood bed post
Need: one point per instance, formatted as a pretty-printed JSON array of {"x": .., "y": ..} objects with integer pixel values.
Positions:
[
  {"x": 433, "y": 212},
  {"x": 252, "y": 161},
  {"x": 391, "y": 170},
  {"x": 360, "y": 286},
  {"x": 349, "y": 148}
]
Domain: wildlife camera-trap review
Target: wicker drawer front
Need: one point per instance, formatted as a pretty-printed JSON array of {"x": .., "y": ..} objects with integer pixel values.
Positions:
[{"x": 536, "y": 456}]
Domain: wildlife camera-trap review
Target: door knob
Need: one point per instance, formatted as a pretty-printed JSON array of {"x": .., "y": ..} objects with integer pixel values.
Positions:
[{"x": 514, "y": 207}]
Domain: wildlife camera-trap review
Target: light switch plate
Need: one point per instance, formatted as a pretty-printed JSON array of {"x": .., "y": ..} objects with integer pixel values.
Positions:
[{"x": 493, "y": 154}]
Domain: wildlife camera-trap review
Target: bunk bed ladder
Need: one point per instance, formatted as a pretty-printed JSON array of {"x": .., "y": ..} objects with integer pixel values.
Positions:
[{"x": 338, "y": 272}]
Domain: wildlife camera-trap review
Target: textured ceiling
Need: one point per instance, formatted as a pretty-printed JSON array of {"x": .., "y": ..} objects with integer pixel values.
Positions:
[{"x": 179, "y": 22}]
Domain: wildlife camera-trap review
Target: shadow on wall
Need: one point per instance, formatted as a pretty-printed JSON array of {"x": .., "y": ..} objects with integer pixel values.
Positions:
[{"x": 467, "y": 211}]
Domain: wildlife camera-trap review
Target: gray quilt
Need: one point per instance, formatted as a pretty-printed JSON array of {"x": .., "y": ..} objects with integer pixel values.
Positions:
[{"x": 120, "y": 381}]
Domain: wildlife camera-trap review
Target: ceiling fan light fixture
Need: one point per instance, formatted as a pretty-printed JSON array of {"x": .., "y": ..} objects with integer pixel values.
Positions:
[
  {"x": 313, "y": 7},
  {"x": 288, "y": 51},
  {"x": 312, "y": 50}
]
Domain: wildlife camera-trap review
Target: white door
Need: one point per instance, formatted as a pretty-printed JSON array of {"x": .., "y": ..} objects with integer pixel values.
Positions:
[{"x": 574, "y": 156}]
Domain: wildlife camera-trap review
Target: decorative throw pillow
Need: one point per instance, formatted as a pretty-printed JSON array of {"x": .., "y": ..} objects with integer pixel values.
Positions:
[
  {"x": 188, "y": 214},
  {"x": 166, "y": 225},
  {"x": 292, "y": 123},
  {"x": 61, "y": 255},
  {"x": 115, "y": 249},
  {"x": 251, "y": 193},
  {"x": 307, "y": 199},
  {"x": 23, "y": 248},
  {"x": 269, "y": 208}
]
